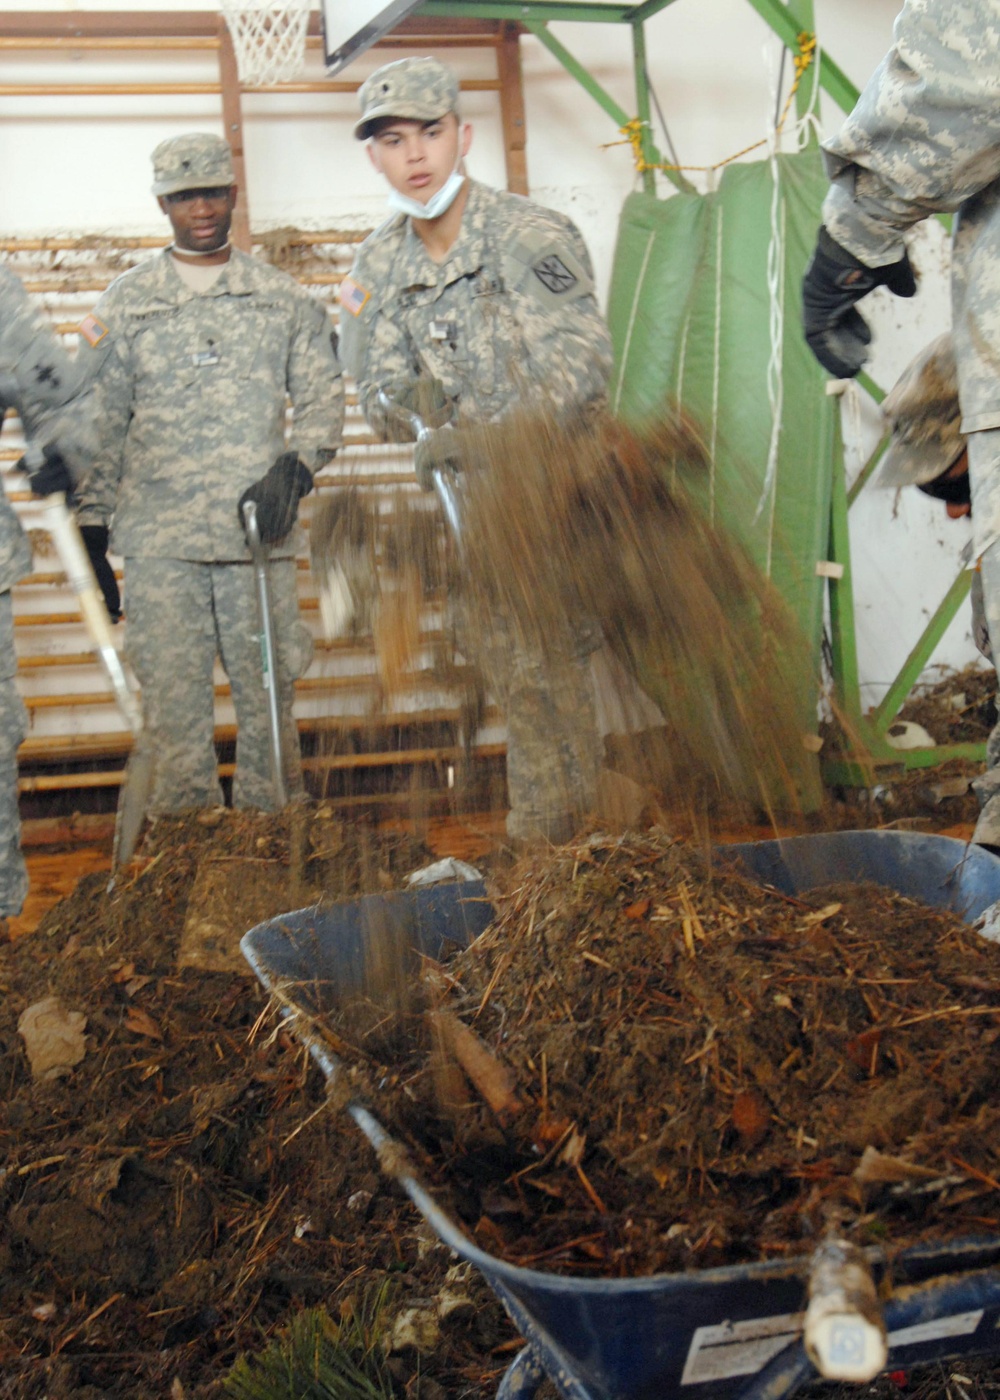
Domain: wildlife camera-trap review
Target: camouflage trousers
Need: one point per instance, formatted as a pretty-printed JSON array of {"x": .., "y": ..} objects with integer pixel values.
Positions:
[
  {"x": 553, "y": 747},
  {"x": 13, "y": 727},
  {"x": 180, "y": 616},
  {"x": 985, "y": 482}
]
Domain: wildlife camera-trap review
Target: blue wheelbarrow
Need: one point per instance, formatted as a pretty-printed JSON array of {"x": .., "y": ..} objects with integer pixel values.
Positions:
[{"x": 734, "y": 1331}]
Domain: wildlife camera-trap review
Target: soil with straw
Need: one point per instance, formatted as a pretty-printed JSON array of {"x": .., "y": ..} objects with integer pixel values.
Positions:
[
  {"x": 697, "y": 1071},
  {"x": 693, "y": 1070},
  {"x": 183, "y": 1193}
]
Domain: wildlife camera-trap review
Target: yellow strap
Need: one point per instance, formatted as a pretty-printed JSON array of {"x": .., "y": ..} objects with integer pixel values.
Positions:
[{"x": 632, "y": 130}]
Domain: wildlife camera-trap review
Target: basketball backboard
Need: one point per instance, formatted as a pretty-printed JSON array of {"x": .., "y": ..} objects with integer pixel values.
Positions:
[{"x": 351, "y": 26}]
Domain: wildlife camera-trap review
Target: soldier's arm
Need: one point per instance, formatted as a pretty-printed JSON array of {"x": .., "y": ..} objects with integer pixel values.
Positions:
[
  {"x": 549, "y": 278},
  {"x": 315, "y": 386},
  {"x": 104, "y": 361},
  {"x": 373, "y": 346},
  {"x": 47, "y": 384},
  {"x": 925, "y": 134}
]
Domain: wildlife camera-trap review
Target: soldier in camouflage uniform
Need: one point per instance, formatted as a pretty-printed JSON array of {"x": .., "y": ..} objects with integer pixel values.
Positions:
[
  {"x": 925, "y": 138},
  {"x": 39, "y": 377},
  {"x": 469, "y": 303},
  {"x": 193, "y": 355}
]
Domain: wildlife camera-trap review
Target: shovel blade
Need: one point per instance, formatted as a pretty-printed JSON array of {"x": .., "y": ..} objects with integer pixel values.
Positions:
[{"x": 133, "y": 803}]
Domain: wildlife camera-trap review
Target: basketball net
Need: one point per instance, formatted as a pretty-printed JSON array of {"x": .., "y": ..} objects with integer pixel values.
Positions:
[{"x": 269, "y": 39}]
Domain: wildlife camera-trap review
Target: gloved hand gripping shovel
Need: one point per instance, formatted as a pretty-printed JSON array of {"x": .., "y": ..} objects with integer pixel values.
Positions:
[
  {"x": 444, "y": 478},
  {"x": 258, "y": 554},
  {"x": 344, "y": 534}
]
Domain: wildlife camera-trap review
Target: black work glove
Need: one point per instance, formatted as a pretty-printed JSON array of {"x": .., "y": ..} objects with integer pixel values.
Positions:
[
  {"x": 277, "y": 495},
  {"x": 835, "y": 279},
  {"x": 52, "y": 475},
  {"x": 95, "y": 542}
]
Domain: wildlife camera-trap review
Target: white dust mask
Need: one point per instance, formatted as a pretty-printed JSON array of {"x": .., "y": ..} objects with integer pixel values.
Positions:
[{"x": 436, "y": 205}]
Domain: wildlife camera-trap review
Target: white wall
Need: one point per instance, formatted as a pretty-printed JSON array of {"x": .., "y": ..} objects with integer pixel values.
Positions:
[{"x": 82, "y": 165}]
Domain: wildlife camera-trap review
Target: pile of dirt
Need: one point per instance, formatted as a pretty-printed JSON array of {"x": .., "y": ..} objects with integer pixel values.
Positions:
[
  {"x": 958, "y": 708},
  {"x": 685, "y": 1069},
  {"x": 183, "y": 1192}
]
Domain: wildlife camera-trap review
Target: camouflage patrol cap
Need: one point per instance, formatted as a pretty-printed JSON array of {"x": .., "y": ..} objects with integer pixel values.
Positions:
[
  {"x": 195, "y": 161},
  {"x": 922, "y": 414},
  {"x": 415, "y": 89}
]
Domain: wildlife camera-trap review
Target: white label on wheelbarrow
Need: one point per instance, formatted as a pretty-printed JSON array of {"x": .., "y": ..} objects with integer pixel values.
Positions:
[
  {"x": 744, "y": 1348},
  {"x": 738, "y": 1348},
  {"x": 958, "y": 1325}
]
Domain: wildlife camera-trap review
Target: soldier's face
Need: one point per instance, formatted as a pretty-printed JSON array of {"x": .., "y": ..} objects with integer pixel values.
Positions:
[
  {"x": 418, "y": 157},
  {"x": 200, "y": 219}
]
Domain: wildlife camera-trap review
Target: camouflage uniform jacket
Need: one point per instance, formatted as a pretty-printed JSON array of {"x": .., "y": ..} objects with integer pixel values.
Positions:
[
  {"x": 191, "y": 397},
  {"x": 509, "y": 316},
  {"x": 51, "y": 398},
  {"x": 925, "y": 138}
]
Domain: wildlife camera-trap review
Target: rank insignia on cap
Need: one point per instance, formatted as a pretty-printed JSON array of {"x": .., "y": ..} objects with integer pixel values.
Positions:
[
  {"x": 93, "y": 330},
  {"x": 553, "y": 273},
  {"x": 353, "y": 297}
]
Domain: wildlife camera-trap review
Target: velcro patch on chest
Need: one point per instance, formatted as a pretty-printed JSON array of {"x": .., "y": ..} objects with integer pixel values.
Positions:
[
  {"x": 554, "y": 275},
  {"x": 93, "y": 330},
  {"x": 353, "y": 296}
]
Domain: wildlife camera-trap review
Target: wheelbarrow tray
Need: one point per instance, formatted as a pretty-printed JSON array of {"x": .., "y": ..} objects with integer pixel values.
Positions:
[{"x": 710, "y": 1333}]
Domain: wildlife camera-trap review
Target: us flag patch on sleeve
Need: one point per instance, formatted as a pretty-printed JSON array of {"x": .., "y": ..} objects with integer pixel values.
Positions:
[
  {"x": 93, "y": 330},
  {"x": 353, "y": 296}
]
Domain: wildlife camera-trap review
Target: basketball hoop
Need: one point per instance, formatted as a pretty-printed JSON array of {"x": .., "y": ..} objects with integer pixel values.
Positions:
[{"x": 269, "y": 39}]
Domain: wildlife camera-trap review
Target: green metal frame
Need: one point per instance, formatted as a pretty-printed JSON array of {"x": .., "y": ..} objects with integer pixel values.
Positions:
[{"x": 788, "y": 19}]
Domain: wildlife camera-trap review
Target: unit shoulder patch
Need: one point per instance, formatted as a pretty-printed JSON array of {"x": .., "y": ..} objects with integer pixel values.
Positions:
[
  {"x": 554, "y": 275},
  {"x": 93, "y": 330},
  {"x": 353, "y": 297}
]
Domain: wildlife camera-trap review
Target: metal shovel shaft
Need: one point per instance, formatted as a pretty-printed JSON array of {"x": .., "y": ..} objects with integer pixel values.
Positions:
[
  {"x": 444, "y": 481},
  {"x": 258, "y": 553}
]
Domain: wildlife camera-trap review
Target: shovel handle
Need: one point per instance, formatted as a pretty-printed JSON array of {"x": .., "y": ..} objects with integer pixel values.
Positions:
[
  {"x": 62, "y": 526},
  {"x": 258, "y": 554}
]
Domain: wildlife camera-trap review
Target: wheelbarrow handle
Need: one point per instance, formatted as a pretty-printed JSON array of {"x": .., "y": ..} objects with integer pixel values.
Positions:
[{"x": 258, "y": 554}]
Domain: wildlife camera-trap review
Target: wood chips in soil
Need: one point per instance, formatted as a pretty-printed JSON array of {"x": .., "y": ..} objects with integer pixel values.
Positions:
[
  {"x": 183, "y": 1193},
  {"x": 690, "y": 1070}
]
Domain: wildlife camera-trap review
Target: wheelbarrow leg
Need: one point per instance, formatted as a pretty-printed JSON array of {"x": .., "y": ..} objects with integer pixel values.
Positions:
[{"x": 522, "y": 1378}]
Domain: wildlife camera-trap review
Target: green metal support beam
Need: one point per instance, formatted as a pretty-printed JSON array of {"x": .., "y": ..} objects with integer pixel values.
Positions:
[
  {"x": 783, "y": 21},
  {"x": 887, "y": 710},
  {"x": 603, "y": 99},
  {"x": 647, "y": 10},
  {"x": 525, "y": 10},
  {"x": 576, "y": 70},
  {"x": 642, "y": 106}
]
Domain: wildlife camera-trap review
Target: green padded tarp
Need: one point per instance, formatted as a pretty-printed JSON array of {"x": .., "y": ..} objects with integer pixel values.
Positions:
[{"x": 690, "y": 310}]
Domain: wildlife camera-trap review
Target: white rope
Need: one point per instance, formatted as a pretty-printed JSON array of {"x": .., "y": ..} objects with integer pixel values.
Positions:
[
  {"x": 679, "y": 391},
  {"x": 807, "y": 128},
  {"x": 633, "y": 313},
  {"x": 717, "y": 340},
  {"x": 776, "y": 330}
]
